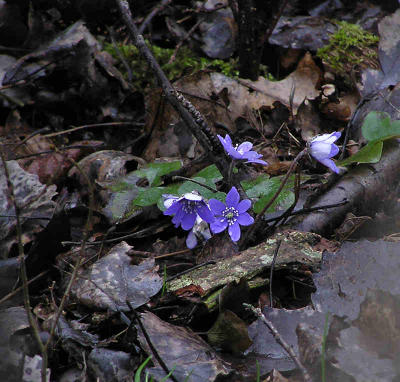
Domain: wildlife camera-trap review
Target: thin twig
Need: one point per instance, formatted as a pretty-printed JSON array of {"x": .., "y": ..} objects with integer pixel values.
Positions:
[
  {"x": 120, "y": 55},
  {"x": 15, "y": 291},
  {"x": 289, "y": 211},
  {"x": 30, "y": 136},
  {"x": 187, "y": 250},
  {"x": 93, "y": 125},
  {"x": 76, "y": 266},
  {"x": 273, "y": 22},
  {"x": 180, "y": 43},
  {"x": 196, "y": 182},
  {"x": 58, "y": 150},
  {"x": 23, "y": 273},
  {"x": 148, "y": 340},
  {"x": 280, "y": 341},
  {"x": 306, "y": 211},
  {"x": 154, "y": 12},
  {"x": 133, "y": 235},
  {"x": 271, "y": 272}
]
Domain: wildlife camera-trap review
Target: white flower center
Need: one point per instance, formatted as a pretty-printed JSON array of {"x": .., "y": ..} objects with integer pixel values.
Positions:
[
  {"x": 189, "y": 207},
  {"x": 230, "y": 214}
]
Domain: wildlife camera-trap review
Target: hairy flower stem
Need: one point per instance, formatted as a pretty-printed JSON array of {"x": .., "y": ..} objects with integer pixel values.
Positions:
[
  {"x": 257, "y": 220},
  {"x": 195, "y": 181},
  {"x": 230, "y": 172}
]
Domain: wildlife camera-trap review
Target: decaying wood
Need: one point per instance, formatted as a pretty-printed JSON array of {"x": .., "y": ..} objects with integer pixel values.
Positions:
[{"x": 364, "y": 187}]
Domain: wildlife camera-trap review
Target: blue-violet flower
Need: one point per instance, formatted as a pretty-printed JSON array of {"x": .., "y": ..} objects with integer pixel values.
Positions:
[
  {"x": 322, "y": 149},
  {"x": 242, "y": 151},
  {"x": 231, "y": 215},
  {"x": 186, "y": 208}
]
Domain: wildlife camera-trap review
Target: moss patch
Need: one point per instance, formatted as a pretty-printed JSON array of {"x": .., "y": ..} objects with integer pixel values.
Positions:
[
  {"x": 350, "y": 48},
  {"x": 186, "y": 62}
]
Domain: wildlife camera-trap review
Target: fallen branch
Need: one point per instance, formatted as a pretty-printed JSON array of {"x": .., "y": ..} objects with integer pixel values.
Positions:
[
  {"x": 189, "y": 114},
  {"x": 363, "y": 187}
]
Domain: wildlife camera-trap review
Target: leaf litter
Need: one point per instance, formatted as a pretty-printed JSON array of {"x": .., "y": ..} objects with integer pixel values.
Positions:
[{"x": 356, "y": 286}]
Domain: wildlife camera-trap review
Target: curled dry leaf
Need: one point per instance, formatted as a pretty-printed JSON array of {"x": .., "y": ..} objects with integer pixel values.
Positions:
[
  {"x": 113, "y": 280},
  {"x": 240, "y": 97}
]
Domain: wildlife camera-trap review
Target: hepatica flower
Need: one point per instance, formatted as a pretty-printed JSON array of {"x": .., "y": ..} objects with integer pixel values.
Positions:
[
  {"x": 242, "y": 151},
  {"x": 322, "y": 148},
  {"x": 230, "y": 215},
  {"x": 186, "y": 209}
]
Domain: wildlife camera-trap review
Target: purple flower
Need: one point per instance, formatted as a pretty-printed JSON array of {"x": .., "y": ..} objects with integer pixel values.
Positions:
[
  {"x": 242, "y": 152},
  {"x": 322, "y": 149},
  {"x": 231, "y": 215},
  {"x": 186, "y": 208}
]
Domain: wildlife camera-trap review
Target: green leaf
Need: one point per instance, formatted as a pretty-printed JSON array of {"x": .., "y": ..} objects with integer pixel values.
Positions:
[
  {"x": 155, "y": 171},
  {"x": 265, "y": 188},
  {"x": 203, "y": 191},
  {"x": 210, "y": 173},
  {"x": 378, "y": 126},
  {"x": 149, "y": 196},
  {"x": 140, "y": 369},
  {"x": 370, "y": 153},
  {"x": 189, "y": 186},
  {"x": 125, "y": 183},
  {"x": 257, "y": 187},
  {"x": 172, "y": 190},
  {"x": 282, "y": 202},
  {"x": 118, "y": 206}
]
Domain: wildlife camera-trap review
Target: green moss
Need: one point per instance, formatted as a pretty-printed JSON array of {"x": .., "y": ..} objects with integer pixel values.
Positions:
[
  {"x": 186, "y": 62},
  {"x": 350, "y": 47}
]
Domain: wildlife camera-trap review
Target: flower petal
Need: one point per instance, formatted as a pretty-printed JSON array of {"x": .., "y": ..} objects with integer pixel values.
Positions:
[
  {"x": 173, "y": 209},
  {"x": 169, "y": 200},
  {"x": 191, "y": 240},
  {"x": 188, "y": 221},
  {"x": 216, "y": 206},
  {"x": 177, "y": 219},
  {"x": 234, "y": 231},
  {"x": 232, "y": 199},
  {"x": 244, "y": 147},
  {"x": 245, "y": 219},
  {"x": 259, "y": 161},
  {"x": 219, "y": 225},
  {"x": 244, "y": 205},
  {"x": 320, "y": 150},
  {"x": 331, "y": 164},
  {"x": 204, "y": 212},
  {"x": 254, "y": 157},
  {"x": 228, "y": 140},
  {"x": 235, "y": 154},
  {"x": 193, "y": 197},
  {"x": 334, "y": 151},
  {"x": 327, "y": 138},
  {"x": 225, "y": 142}
]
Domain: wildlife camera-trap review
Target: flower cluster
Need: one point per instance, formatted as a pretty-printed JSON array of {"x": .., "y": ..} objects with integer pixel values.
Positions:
[{"x": 192, "y": 212}]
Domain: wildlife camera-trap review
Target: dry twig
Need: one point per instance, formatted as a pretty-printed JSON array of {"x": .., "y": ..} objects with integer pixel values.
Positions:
[{"x": 280, "y": 341}]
